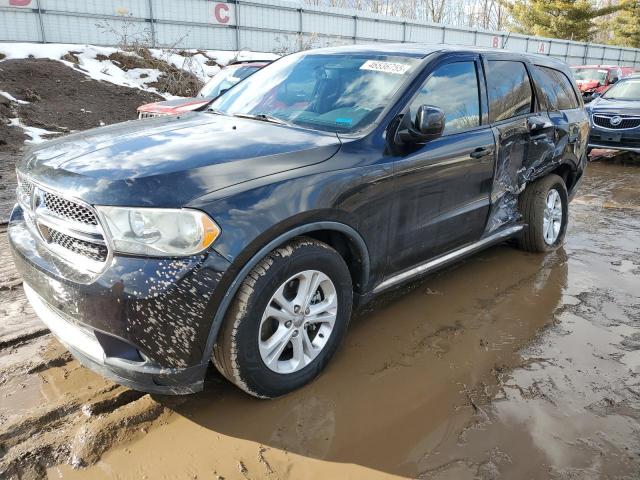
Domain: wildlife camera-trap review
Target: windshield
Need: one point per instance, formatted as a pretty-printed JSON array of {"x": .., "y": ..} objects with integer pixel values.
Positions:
[
  {"x": 625, "y": 90},
  {"x": 330, "y": 92},
  {"x": 588, "y": 74},
  {"x": 225, "y": 79}
]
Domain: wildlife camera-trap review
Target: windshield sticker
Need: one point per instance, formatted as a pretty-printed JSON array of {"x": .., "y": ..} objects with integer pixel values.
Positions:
[
  {"x": 348, "y": 121},
  {"x": 387, "y": 67}
]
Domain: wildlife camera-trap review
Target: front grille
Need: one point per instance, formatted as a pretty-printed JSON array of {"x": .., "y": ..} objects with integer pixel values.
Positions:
[
  {"x": 605, "y": 121},
  {"x": 94, "y": 251},
  {"x": 26, "y": 187},
  {"x": 67, "y": 209},
  {"x": 60, "y": 221}
]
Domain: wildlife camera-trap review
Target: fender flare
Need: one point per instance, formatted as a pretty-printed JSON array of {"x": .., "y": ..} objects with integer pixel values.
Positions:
[{"x": 221, "y": 311}]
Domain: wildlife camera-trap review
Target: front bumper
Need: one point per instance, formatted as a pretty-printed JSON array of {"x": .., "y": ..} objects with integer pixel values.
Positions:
[
  {"x": 623, "y": 139},
  {"x": 144, "y": 322}
]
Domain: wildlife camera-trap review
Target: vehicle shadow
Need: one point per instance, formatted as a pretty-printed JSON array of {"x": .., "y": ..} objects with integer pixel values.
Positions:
[{"x": 415, "y": 365}]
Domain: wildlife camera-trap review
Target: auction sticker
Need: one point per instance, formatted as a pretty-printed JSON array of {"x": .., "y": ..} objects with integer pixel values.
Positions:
[{"x": 387, "y": 67}]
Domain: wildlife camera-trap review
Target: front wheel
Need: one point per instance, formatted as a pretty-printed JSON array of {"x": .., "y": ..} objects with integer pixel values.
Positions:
[
  {"x": 287, "y": 319},
  {"x": 544, "y": 206}
]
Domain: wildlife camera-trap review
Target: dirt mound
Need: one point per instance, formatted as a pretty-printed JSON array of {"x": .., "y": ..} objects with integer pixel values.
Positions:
[
  {"x": 61, "y": 99},
  {"x": 172, "y": 79}
]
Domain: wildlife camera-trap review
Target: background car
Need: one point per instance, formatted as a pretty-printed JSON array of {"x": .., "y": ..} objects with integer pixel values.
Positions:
[
  {"x": 598, "y": 78},
  {"x": 615, "y": 117},
  {"x": 224, "y": 80}
]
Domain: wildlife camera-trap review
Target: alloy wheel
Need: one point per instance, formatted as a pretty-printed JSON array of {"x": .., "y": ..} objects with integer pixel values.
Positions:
[{"x": 297, "y": 322}]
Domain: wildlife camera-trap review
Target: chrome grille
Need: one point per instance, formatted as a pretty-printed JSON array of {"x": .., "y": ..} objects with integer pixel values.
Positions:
[
  {"x": 97, "y": 253},
  {"x": 625, "y": 123},
  {"x": 67, "y": 227},
  {"x": 26, "y": 187},
  {"x": 67, "y": 209}
]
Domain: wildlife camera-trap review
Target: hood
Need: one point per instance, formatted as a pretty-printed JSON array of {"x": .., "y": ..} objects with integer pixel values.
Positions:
[
  {"x": 173, "y": 107},
  {"x": 615, "y": 107},
  {"x": 168, "y": 161},
  {"x": 584, "y": 85}
]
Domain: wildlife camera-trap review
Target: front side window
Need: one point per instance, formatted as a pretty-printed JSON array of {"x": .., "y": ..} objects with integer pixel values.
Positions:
[
  {"x": 330, "y": 92},
  {"x": 510, "y": 93},
  {"x": 626, "y": 90},
  {"x": 454, "y": 89}
]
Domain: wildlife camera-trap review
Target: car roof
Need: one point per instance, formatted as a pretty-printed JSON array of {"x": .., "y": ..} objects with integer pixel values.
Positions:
[
  {"x": 596, "y": 66},
  {"x": 419, "y": 50},
  {"x": 249, "y": 63}
]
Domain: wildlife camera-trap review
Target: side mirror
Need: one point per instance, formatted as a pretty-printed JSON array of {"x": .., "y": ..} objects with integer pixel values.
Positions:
[{"x": 428, "y": 124}]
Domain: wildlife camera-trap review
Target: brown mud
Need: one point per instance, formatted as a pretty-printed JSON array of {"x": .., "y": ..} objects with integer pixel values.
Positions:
[{"x": 506, "y": 365}]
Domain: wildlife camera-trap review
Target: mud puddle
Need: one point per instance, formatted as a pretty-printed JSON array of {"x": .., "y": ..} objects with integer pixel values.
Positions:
[{"x": 507, "y": 365}]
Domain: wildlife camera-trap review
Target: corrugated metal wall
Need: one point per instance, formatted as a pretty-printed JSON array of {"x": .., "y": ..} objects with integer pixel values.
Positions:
[{"x": 260, "y": 25}]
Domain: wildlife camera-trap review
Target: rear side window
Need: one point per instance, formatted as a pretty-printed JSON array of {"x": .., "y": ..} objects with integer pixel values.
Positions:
[
  {"x": 509, "y": 87},
  {"x": 557, "y": 88},
  {"x": 454, "y": 89}
]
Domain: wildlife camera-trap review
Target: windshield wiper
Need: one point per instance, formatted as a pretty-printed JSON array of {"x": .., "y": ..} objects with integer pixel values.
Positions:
[
  {"x": 216, "y": 112},
  {"x": 265, "y": 117}
]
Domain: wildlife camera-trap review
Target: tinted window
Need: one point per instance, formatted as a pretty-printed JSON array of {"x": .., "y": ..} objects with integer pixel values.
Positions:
[
  {"x": 454, "y": 89},
  {"x": 509, "y": 89},
  {"x": 557, "y": 88}
]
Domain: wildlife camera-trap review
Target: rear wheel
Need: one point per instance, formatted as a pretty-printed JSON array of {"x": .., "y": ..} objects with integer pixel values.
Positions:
[
  {"x": 287, "y": 319},
  {"x": 544, "y": 208}
]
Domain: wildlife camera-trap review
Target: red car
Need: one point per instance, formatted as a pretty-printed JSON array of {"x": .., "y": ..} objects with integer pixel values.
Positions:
[
  {"x": 220, "y": 83},
  {"x": 598, "y": 78}
]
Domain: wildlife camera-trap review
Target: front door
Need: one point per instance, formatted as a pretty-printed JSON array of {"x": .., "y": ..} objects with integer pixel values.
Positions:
[{"x": 443, "y": 186}]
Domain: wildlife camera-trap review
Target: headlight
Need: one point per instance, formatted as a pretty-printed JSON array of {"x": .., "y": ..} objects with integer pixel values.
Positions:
[{"x": 158, "y": 231}]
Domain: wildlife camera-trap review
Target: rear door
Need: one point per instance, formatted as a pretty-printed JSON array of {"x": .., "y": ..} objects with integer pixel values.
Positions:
[
  {"x": 570, "y": 122},
  {"x": 521, "y": 129},
  {"x": 443, "y": 186}
]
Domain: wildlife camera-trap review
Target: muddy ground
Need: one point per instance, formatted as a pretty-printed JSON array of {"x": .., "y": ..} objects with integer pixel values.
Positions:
[{"x": 507, "y": 365}]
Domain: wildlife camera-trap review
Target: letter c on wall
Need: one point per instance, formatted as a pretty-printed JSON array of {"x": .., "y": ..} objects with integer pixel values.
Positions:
[{"x": 221, "y": 12}]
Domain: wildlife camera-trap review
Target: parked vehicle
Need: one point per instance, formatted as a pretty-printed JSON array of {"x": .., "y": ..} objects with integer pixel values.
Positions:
[
  {"x": 596, "y": 79},
  {"x": 615, "y": 117},
  {"x": 245, "y": 234},
  {"x": 220, "y": 83}
]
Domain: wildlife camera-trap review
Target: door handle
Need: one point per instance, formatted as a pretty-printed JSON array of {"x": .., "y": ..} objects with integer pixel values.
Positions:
[
  {"x": 541, "y": 136},
  {"x": 481, "y": 152}
]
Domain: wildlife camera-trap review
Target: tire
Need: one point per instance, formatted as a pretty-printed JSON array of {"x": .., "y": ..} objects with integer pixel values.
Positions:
[
  {"x": 244, "y": 351},
  {"x": 533, "y": 207}
]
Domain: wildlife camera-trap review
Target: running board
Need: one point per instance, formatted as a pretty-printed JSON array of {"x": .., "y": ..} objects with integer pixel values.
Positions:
[{"x": 449, "y": 257}]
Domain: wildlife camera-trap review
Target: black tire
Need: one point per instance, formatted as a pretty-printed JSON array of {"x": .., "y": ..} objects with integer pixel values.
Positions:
[
  {"x": 532, "y": 204},
  {"x": 236, "y": 353}
]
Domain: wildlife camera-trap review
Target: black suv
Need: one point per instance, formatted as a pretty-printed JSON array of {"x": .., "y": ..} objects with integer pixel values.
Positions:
[{"x": 246, "y": 233}]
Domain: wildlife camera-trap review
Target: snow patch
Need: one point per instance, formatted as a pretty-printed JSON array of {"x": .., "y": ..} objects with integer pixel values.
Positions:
[
  {"x": 13, "y": 99},
  {"x": 35, "y": 134}
]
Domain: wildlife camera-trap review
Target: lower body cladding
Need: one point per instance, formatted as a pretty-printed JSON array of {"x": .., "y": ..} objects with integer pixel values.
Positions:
[
  {"x": 142, "y": 322},
  {"x": 623, "y": 139}
]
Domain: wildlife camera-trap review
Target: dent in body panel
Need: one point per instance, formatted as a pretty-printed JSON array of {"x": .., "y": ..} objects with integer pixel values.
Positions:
[{"x": 522, "y": 157}]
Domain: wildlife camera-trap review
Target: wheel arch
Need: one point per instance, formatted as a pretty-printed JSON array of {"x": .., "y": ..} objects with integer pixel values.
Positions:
[{"x": 343, "y": 238}]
